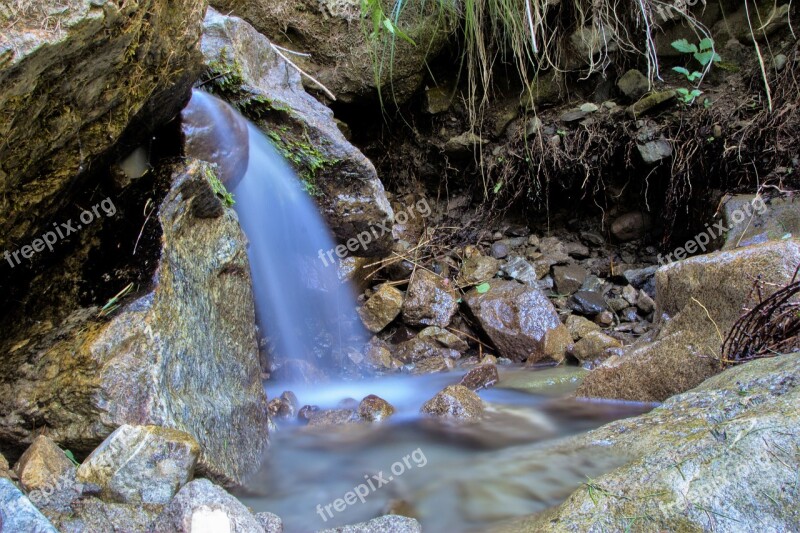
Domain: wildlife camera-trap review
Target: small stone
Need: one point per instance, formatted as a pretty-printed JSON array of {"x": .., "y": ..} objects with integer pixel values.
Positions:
[
  {"x": 577, "y": 250},
  {"x": 378, "y": 355},
  {"x": 655, "y": 151},
  {"x": 374, "y": 409},
  {"x": 454, "y": 402},
  {"x": 283, "y": 407},
  {"x": 437, "y": 100},
  {"x": 631, "y": 226},
  {"x": 476, "y": 270},
  {"x": 481, "y": 377},
  {"x": 533, "y": 240},
  {"x": 650, "y": 102},
  {"x": 645, "y": 303},
  {"x": 592, "y": 284},
  {"x": 307, "y": 412},
  {"x": 630, "y": 294},
  {"x": 568, "y": 279},
  {"x": 443, "y": 338},
  {"x": 433, "y": 364},
  {"x": 617, "y": 304},
  {"x": 604, "y": 319},
  {"x": 333, "y": 417},
  {"x": 271, "y": 523},
  {"x": 430, "y": 300},
  {"x": 629, "y": 314},
  {"x": 590, "y": 237},
  {"x": 587, "y": 303},
  {"x": 572, "y": 115},
  {"x": 579, "y": 326},
  {"x": 463, "y": 144},
  {"x": 779, "y": 62},
  {"x": 520, "y": 270},
  {"x": 633, "y": 84},
  {"x": 499, "y": 250},
  {"x": 381, "y": 308},
  {"x": 589, "y": 107},
  {"x": 593, "y": 345}
]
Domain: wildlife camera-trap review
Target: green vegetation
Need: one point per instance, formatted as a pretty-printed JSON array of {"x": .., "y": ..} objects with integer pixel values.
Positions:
[
  {"x": 303, "y": 155},
  {"x": 705, "y": 54},
  {"x": 219, "y": 188}
]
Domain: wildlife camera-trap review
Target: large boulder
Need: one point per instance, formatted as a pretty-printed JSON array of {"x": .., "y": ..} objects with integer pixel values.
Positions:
[
  {"x": 73, "y": 78},
  {"x": 180, "y": 353},
  {"x": 341, "y": 55},
  {"x": 520, "y": 321},
  {"x": 697, "y": 302},
  {"x": 244, "y": 69},
  {"x": 722, "y": 456},
  {"x": 17, "y": 513}
]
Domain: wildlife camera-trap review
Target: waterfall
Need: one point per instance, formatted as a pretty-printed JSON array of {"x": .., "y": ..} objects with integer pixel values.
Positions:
[{"x": 305, "y": 311}]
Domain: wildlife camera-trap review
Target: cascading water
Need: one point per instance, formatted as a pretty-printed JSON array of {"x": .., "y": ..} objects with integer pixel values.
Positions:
[{"x": 305, "y": 310}]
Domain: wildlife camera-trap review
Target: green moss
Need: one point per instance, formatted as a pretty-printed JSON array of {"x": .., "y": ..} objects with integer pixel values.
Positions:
[
  {"x": 303, "y": 155},
  {"x": 218, "y": 188}
]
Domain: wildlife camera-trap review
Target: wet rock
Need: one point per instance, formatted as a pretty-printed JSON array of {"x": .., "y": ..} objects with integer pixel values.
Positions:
[
  {"x": 333, "y": 417},
  {"x": 650, "y": 102},
  {"x": 477, "y": 269},
  {"x": 617, "y": 303},
  {"x": 307, "y": 412},
  {"x": 499, "y": 250},
  {"x": 454, "y": 402},
  {"x": 202, "y": 502},
  {"x": 271, "y": 523},
  {"x": 143, "y": 364},
  {"x": 433, "y": 364},
  {"x": 587, "y": 303},
  {"x": 631, "y": 226},
  {"x": 579, "y": 326},
  {"x": 378, "y": 355},
  {"x": 592, "y": 284},
  {"x": 685, "y": 351},
  {"x": 654, "y": 151},
  {"x": 520, "y": 321},
  {"x": 629, "y": 314},
  {"x": 375, "y": 409},
  {"x": 381, "y": 308},
  {"x": 633, "y": 84},
  {"x": 593, "y": 345},
  {"x": 244, "y": 68},
  {"x": 17, "y": 513},
  {"x": 430, "y": 300},
  {"x": 420, "y": 348},
  {"x": 141, "y": 464},
  {"x": 481, "y": 377},
  {"x": 590, "y": 237},
  {"x": 383, "y": 524},
  {"x": 443, "y": 338},
  {"x": 73, "y": 81},
  {"x": 568, "y": 279},
  {"x": 752, "y": 407},
  {"x": 284, "y": 407},
  {"x": 519, "y": 269}
]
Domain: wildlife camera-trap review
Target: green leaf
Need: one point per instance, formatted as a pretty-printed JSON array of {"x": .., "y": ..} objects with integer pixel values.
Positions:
[
  {"x": 682, "y": 91},
  {"x": 684, "y": 46},
  {"x": 681, "y": 70},
  {"x": 707, "y": 57},
  {"x": 71, "y": 457},
  {"x": 498, "y": 186},
  {"x": 694, "y": 76},
  {"x": 388, "y": 25},
  {"x": 483, "y": 288},
  {"x": 707, "y": 44}
]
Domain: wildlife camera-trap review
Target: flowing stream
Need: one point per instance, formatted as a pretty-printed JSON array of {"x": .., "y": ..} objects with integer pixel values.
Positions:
[{"x": 453, "y": 478}]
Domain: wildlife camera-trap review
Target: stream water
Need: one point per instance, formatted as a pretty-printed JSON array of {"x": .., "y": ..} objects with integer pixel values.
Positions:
[{"x": 454, "y": 479}]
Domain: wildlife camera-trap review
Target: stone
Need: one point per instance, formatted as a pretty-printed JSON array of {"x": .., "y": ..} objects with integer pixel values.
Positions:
[
  {"x": 650, "y": 102},
  {"x": 645, "y": 304},
  {"x": 433, "y": 364},
  {"x": 4, "y": 470},
  {"x": 464, "y": 144},
  {"x": 499, "y": 250},
  {"x": 201, "y": 504},
  {"x": 630, "y": 294},
  {"x": 454, "y": 402},
  {"x": 374, "y": 409},
  {"x": 568, "y": 279},
  {"x": 170, "y": 355},
  {"x": 631, "y": 226},
  {"x": 430, "y": 300},
  {"x": 378, "y": 355},
  {"x": 381, "y": 308},
  {"x": 752, "y": 219},
  {"x": 588, "y": 42},
  {"x": 141, "y": 464},
  {"x": 593, "y": 345},
  {"x": 546, "y": 88},
  {"x": 685, "y": 351},
  {"x": 589, "y": 107},
  {"x": 519, "y": 319},
  {"x": 587, "y": 303},
  {"x": 577, "y": 250},
  {"x": 270, "y": 522},
  {"x": 593, "y": 238},
  {"x": 680, "y": 466},
  {"x": 617, "y": 303},
  {"x": 283, "y": 407},
  {"x": 443, "y": 338},
  {"x": 382, "y": 524},
  {"x": 642, "y": 278},
  {"x": 244, "y": 68},
  {"x": 76, "y": 78},
  {"x": 42, "y": 465},
  {"x": 604, "y": 319},
  {"x": 476, "y": 270},
  {"x": 418, "y": 348},
  {"x": 333, "y": 417},
  {"x": 654, "y": 151},
  {"x": 519, "y": 269},
  {"x": 633, "y": 84},
  {"x": 629, "y": 314},
  {"x": 18, "y": 514},
  {"x": 779, "y": 62},
  {"x": 481, "y": 377},
  {"x": 579, "y": 326},
  {"x": 573, "y": 115},
  {"x": 438, "y": 100}
]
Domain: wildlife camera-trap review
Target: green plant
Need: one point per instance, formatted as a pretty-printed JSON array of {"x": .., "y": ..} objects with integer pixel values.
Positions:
[
  {"x": 705, "y": 54},
  {"x": 219, "y": 188}
]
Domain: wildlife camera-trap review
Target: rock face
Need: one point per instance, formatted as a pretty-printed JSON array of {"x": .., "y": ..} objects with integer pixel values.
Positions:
[
  {"x": 70, "y": 88},
  {"x": 141, "y": 464},
  {"x": 703, "y": 296},
  {"x": 455, "y": 402},
  {"x": 341, "y": 55},
  {"x": 245, "y": 70},
  {"x": 175, "y": 356},
  {"x": 17, "y": 513},
  {"x": 381, "y": 308},
  {"x": 201, "y": 505},
  {"x": 723, "y": 454},
  {"x": 520, "y": 321},
  {"x": 429, "y": 301}
]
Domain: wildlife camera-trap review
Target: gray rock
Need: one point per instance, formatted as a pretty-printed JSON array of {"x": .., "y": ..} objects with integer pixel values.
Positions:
[
  {"x": 383, "y": 524},
  {"x": 753, "y": 220},
  {"x": 779, "y": 62},
  {"x": 587, "y": 303},
  {"x": 655, "y": 151},
  {"x": 631, "y": 226},
  {"x": 271, "y": 523},
  {"x": 519, "y": 269},
  {"x": 464, "y": 144},
  {"x": 202, "y": 502},
  {"x": 73, "y": 80},
  {"x": 91, "y": 514},
  {"x": 590, "y": 237},
  {"x": 499, "y": 250},
  {"x": 454, "y": 402},
  {"x": 633, "y": 84},
  {"x": 443, "y": 338},
  {"x": 171, "y": 355},
  {"x": 645, "y": 303},
  {"x": 642, "y": 278},
  {"x": 430, "y": 300},
  {"x": 141, "y": 464},
  {"x": 246, "y": 70},
  {"x": 520, "y": 321},
  {"x": 568, "y": 279},
  {"x": 17, "y": 513},
  {"x": 579, "y": 326}
]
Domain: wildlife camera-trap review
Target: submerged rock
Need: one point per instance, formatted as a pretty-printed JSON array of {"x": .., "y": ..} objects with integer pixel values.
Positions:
[
  {"x": 374, "y": 409},
  {"x": 430, "y": 301},
  {"x": 74, "y": 77},
  {"x": 333, "y": 417},
  {"x": 171, "y": 355},
  {"x": 481, "y": 377},
  {"x": 703, "y": 297},
  {"x": 455, "y": 402},
  {"x": 245, "y": 70},
  {"x": 381, "y": 308},
  {"x": 201, "y": 504},
  {"x": 520, "y": 321},
  {"x": 141, "y": 464},
  {"x": 382, "y": 524}
]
